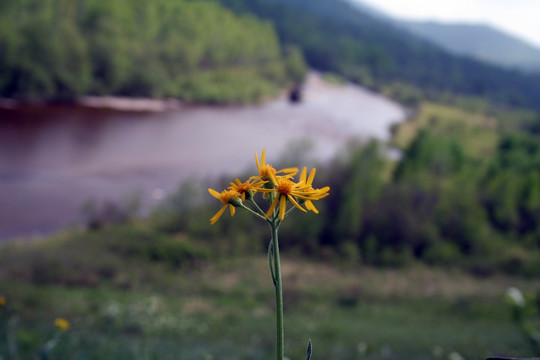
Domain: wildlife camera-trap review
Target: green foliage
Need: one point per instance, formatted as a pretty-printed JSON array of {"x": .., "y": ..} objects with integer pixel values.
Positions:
[
  {"x": 44, "y": 54},
  {"x": 295, "y": 64},
  {"x": 192, "y": 50},
  {"x": 525, "y": 311},
  {"x": 357, "y": 181},
  {"x": 114, "y": 256},
  {"x": 512, "y": 186},
  {"x": 439, "y": 156},
  {"x": 408, "y": 95}
]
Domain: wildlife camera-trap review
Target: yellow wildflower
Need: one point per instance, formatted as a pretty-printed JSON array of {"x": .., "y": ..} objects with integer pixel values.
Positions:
[
  {"x": 3, "y": 301},
  {"x": 268, "y": 173},
  {"x": 62, "y": 324},
  {"x": 227, "y": 197},
  {"x": 287, "y": 190},
  {"x": 252, "y": 185}
]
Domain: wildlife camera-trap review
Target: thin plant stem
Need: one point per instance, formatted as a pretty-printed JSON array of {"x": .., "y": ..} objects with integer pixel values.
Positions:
[
  {"x": 256, "y": 205},
  {"x": 270, "y": 261},
  {"x": 252, "y": 212},
  {"x": 280, "y": 346}
]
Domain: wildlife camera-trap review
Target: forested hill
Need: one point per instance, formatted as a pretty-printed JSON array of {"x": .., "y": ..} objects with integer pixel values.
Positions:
[
  {"x": 338, "y": 36},
  {"x": 192, "y": 50}
]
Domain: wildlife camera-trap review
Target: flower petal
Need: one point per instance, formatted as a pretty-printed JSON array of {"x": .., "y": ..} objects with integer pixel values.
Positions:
[
  {"x": 214, "y": 193},
  {"x": 257, "y": 162},
  {"x": 311, "y": 207},
  {"x": 302, "y": 178},
  {"x": 311, "y": 176},
  {"x": 272, "y": 207},
  {"x": 282, "y": 207},
  {"x": 289, "y": 171},
  {"x": 216, "y": 217},
  {"x": 295, "y": 203}
]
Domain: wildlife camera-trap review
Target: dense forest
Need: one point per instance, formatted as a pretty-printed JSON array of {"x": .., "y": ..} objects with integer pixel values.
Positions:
[
  {"x": 336, "y": 36},
  {"x": 193, "y": 50}
]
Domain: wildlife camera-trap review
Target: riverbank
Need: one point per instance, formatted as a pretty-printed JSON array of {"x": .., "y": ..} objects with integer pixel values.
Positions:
[
  {"x": 117, "y": 103},
  {"x": 130, "y": 104},
  {"x": 136, "y": 104}
]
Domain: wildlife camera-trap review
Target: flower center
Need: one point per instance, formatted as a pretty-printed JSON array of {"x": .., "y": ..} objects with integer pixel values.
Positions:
[
  {"x": 285, "y": 187},
  {"x": 242, "y": 188}
]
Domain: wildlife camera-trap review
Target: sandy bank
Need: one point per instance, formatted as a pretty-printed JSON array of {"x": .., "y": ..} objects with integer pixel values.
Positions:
[{"x": 130, "y": 104}]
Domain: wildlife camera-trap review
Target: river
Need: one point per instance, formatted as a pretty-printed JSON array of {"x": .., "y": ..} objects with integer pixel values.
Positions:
[{"x": 55, "y": 158}]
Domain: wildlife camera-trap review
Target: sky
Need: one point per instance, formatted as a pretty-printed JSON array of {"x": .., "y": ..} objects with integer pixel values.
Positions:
[{"x": 516, "y": 17}]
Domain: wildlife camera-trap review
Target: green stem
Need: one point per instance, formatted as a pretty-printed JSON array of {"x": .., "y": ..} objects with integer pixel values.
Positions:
[
  {"x": 256, "y": 206},
  {"x": 279, "y": 292},
  {"x": 253, "y": 212},
  {"x": 270, "y": 261}
]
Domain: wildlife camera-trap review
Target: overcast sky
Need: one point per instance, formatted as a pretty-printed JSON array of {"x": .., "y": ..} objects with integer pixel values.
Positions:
[{"x": 517, "y": 17}]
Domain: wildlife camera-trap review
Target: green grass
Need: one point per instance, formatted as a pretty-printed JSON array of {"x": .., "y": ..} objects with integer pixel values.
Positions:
[
  {"x": 476, "y": 132},
  {"x": 223, "y": 309}
]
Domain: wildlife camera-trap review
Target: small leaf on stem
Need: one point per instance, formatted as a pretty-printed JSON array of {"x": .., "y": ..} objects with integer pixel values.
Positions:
[{"x": 308, "y": 352}]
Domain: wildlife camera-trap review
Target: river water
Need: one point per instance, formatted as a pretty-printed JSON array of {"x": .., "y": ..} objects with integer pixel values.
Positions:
[{"x": 53, "y": 159}]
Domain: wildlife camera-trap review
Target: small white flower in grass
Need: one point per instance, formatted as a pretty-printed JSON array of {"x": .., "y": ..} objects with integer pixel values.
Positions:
[
  {"x": 454, "y": 355},
  {"x": 515, "y": 296}
]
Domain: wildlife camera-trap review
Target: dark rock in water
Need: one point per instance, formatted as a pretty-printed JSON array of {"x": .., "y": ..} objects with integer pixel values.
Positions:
[{"x": 295, "y": 95}]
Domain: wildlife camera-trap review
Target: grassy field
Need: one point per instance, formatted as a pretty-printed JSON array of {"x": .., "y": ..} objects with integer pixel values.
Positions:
[
  {"x": 223, "y": 309},
  {"x": 475, "y": 131}
]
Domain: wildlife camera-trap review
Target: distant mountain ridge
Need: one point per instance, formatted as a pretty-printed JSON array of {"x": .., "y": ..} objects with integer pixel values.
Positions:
[
  {"x": 478, "y": 41},
  {"x": 482, "y": 42}
]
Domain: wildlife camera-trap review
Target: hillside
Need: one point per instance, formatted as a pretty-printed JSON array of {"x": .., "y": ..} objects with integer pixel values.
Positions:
[
  {"x": 340, "y": 37},
  {"x": 196, "y": 51},
  {"x": 482, "y": 42}
]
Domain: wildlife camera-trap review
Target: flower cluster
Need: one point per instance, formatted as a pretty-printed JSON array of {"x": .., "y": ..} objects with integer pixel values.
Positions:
[{"x": 278, "y": 188}]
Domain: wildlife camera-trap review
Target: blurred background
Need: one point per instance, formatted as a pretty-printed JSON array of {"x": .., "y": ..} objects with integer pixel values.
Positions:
[{"x": 116, "y": 116}]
